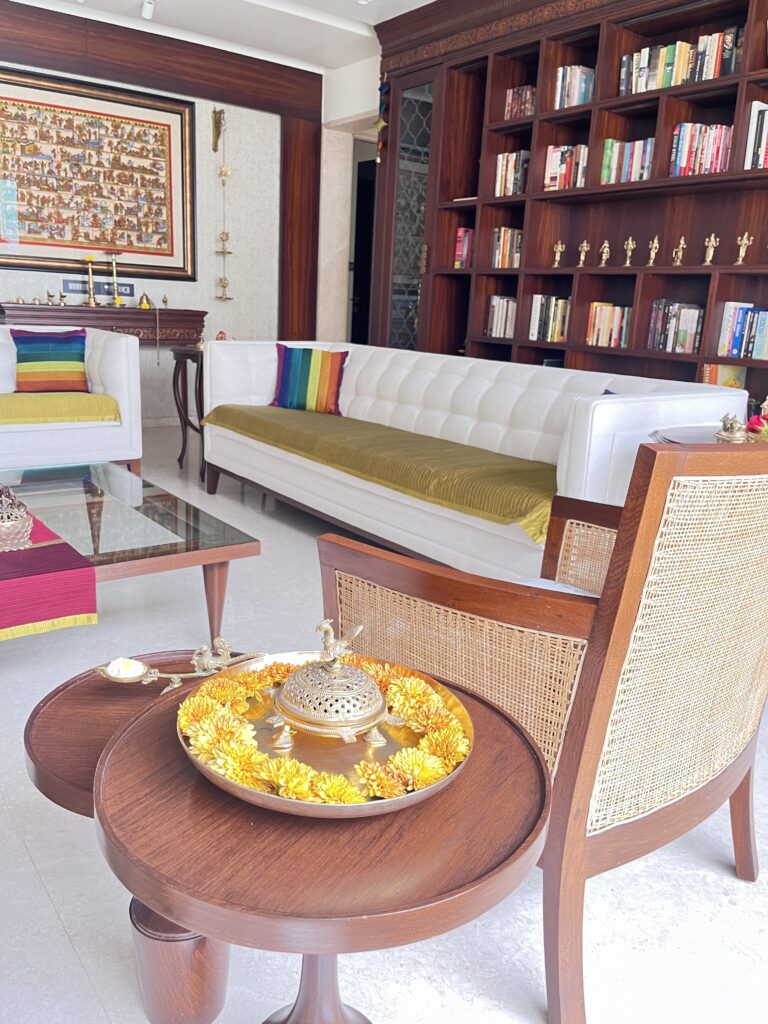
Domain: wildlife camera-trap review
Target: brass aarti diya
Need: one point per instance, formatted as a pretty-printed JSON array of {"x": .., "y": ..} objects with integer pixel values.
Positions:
[{"x": 330, "y": 698}]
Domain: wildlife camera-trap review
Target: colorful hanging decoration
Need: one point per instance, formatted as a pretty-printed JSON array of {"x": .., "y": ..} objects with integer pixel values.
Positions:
[{"x": 381, "y": 123}]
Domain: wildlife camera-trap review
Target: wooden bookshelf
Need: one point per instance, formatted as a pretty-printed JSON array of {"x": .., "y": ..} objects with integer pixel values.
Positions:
[{"x": 469, "y": 133}]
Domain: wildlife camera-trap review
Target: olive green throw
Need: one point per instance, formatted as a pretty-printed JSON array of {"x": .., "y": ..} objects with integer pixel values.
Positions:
[{"x": 471, "y": 480}]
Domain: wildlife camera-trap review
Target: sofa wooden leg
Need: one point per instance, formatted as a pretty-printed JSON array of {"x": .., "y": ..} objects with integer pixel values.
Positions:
[
  {"x": 134, "y": 465},
  {"x": 211, "y": 479}
]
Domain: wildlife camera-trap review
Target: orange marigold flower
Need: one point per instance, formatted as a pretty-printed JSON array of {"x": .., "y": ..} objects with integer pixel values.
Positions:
[
  {"x": 291, "y": 778},
  {"x": 450, "y": 745},
  {"x": 259, "y": 679},
  {"x": 416, "y": 768},
  {"x": 194, "y": 709},
  {"x": 240, "y": 762},
  {"x": 409, "y": 693},
  {"x": 226, "y": 691},
  {"x": 379, "y": 780},
  {"x": 221, "y": 727},
  {"x": 335, "y": 789}
]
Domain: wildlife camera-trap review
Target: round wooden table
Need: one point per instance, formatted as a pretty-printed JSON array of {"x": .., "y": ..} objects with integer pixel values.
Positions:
[
  {"x": 240, "y": 874},
  {"x": 182, "y": 974}
]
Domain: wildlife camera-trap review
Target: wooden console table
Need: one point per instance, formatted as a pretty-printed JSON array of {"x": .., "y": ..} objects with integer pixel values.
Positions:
[{"x": 174, "y": 326}]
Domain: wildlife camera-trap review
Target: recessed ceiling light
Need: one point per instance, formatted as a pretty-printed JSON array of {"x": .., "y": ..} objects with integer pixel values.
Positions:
[{"x": 363, "y": 3}]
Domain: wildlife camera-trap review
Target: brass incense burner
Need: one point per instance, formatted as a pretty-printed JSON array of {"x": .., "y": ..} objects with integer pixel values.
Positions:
[{"x": 330, "y": 698}]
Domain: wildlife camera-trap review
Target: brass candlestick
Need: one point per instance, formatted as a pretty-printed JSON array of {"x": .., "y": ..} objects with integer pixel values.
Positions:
[
  {"x": 710, "y": 244},
  {"x": 89, "y": 261},
  {"x": 605, "y": 253},
  {"x": 116, "y": 300},
  {"x": 629, "y": 247},
  {"x": 677, "y": 253},
  {"x": 558, "y": 249},
  {"x": 584, "y": 248},
  {"x": 743, "y": 243},
  {"x": 653, "y": 248}
]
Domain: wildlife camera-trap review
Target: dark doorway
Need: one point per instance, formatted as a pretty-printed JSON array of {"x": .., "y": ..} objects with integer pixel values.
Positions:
[{"x": 363, "y": 252}]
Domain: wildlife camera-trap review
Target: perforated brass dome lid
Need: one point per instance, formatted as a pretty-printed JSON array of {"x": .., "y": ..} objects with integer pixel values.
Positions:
[{"x": 330, "y": 698}]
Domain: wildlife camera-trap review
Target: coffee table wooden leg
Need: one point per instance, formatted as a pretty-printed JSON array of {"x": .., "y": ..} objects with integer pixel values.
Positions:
[
  {"x": 215, "y": 581},
  {"x": 319, "y": 1000},
  {"x": 182, "y": 975}
]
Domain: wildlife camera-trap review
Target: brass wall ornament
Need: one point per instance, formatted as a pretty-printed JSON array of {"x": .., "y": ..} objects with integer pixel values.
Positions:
[{"x": 224, "y": 172}]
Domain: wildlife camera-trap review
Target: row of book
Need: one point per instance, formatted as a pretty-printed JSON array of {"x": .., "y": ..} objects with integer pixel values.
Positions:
[
  {"x": 700, "y": 149},
  {"x": 626, "y": 161},
  {"x": 659, "y": 67},
  {"x": 608, "y": 325},
  {"x": 743, "y": 331},
  {"x": 506, "y": 247},
  {"x": 520, "y": 102},
  {"x": 566, "y": 167},
  {"x": 500, "y": 319},
  {"x": 574, "y": 85},
  {"x": 512, "y": 172},
  {"x": 463, "y": 254},
  {"x": 756, "y": 154},
  {"x": 549, "y": 319},
  {"x": 675, "y": 326}
]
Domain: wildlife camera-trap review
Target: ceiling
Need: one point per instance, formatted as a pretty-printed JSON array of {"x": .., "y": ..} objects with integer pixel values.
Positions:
[{"x": 316, "y": 34}]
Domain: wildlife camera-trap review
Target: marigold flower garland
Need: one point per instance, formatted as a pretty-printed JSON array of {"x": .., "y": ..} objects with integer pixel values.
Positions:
[{"x": 213, "y": 719}]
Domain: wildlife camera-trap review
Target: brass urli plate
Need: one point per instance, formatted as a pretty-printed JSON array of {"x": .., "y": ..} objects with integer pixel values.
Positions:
[{"x": 329, "y": 755}]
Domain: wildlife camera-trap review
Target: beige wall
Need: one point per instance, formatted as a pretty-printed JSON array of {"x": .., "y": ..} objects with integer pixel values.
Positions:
[{"x": 335, "y": 219}]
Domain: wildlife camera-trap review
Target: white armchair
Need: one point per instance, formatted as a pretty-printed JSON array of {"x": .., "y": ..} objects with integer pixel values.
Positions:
[{"x": 112, "y": 368}]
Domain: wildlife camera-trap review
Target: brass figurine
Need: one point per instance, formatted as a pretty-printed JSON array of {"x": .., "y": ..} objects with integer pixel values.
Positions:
[
  {"x": 91, "y": 292},
  {"x": 743, "y": 243},
  {"x": 223, "y": 293},
  {"x": 558, "y": 249},
  {"x": 629, "y": 247},
  {"x": 19, "y": 301},
  {"x": 710, "y": 244},
  {"x": 605, "y": 253},
  {"x": 653, "y": 248},
  {"x": 62, "y": 298},
  {"x": 50, "y": 298},
  {"x": 677, "y": 253},
  {"x": 335, "y": 647},
  {"x": 218, "y": 120},
  {"x": 165, "y": 302},
  {"x": 35, "y": 301},
  {"x": 584, "y": 248}
]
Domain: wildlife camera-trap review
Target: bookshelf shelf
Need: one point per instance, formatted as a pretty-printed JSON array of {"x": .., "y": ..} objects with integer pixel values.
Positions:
[{"x": 472, "y": 129}]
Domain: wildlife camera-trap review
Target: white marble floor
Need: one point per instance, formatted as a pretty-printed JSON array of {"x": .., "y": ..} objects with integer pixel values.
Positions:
[{"x": 673, "y": 937}]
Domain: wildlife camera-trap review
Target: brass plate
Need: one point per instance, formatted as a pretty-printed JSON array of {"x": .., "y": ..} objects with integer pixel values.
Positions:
[{"x": 330, "y": 755}]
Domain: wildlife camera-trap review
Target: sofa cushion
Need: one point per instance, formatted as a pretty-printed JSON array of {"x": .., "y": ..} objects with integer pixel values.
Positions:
[
  {"x": 308, "y": 378},
  {"x": 53, "y": 361},
  {"x": 501, "y": 488},
  {"x": 58, "y": 407}
]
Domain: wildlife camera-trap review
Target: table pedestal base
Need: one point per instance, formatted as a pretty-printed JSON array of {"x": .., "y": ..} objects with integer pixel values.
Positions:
[
  {"x": 182, "y": 975},
  {"x": 318, "y": 1001}
]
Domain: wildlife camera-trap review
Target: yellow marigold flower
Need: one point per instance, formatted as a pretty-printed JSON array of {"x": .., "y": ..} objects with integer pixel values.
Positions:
[
  {"x": 259, "y": 679},
  {"x": 335, "y": 789},
  {"x": 219, "y": 728},
  {"x": 226, "y": 691},
  {"x": 407, "y": 694},
  {"x": 416, "y": 768},
  {"x": 385, "y": 673},
  {"x": 241, "y": 762},
  {"x": 194, "y": 709},
  {"x": 290, "y": 777},
  {"x": 450, "y": 745},
  {"x": 430, "y": 717},
  {"x": 379, "y": 780}
]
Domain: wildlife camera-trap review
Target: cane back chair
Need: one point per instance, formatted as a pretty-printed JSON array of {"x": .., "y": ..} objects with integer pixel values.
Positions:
[{"x": 645, "y": 702}]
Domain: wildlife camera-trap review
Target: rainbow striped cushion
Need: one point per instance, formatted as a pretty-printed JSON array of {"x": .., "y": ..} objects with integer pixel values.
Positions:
[
  {"x": 50, "y": 361},
  {"x": 308, "y": 378}
]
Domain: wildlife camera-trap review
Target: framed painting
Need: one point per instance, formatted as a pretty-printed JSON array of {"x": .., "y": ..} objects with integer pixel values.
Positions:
[{"x": 90, "y": 170}]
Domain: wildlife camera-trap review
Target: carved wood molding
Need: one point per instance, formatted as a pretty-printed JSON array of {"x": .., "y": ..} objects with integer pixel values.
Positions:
[{"x": 520, "y": 21}]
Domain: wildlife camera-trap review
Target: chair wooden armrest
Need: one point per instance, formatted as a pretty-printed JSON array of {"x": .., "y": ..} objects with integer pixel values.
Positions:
[
  {"x": 519, "y": 646},
  {"x": 580, "y": 542}
]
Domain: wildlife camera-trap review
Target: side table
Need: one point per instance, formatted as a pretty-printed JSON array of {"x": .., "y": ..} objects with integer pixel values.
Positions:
[
  {"x": 319, "y": 887},
  {"x": 182, "y": 974},
  {"x": 183, "y": 354}
]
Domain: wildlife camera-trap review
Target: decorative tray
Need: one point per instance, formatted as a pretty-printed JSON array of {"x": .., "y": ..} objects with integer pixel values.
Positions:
[{"x": 237, "y": 728}]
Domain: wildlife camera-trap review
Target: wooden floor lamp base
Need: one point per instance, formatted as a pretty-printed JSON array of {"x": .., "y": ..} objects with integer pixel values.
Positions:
[
  {"x": 318, "y": 1001},
  {"x": 182, "y": 975}
]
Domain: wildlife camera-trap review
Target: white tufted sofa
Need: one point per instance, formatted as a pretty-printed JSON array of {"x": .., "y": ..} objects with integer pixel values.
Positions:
[
  {"x": 546, "y": 414},
  {"x": 112, "y": 368}
]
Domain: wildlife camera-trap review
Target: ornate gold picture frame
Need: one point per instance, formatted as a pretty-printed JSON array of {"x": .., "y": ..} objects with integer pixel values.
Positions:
[{"x": 89, "y": 170}]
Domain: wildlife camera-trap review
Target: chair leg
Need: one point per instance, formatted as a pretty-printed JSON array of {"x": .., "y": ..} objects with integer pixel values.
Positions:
[
  {"x": 211, "y": 479},
  {"x": 563, "y": 945},
  {"x": 743, "y": 829}
]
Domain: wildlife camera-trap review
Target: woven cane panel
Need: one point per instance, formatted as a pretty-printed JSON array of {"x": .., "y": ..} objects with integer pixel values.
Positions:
[
  {"x": 694, "y": 679},
  {"x": 585, "y": 554},
  {"x": 531, "y": 675}
]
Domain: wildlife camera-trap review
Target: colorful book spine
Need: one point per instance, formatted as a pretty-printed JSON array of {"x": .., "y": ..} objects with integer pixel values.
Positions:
[
  {"x": 715, "y": 55},
  {"x": 675, "y": 326},
  {"x": 608, "y": 325},
  {"x": 565, "y": 167},
  {"x": 574, "y": 86},
  {"x": 500, "y": 319},
  {"x": 520, "y": 102},
  {"x": 512, "y": 172},
  {"x": 743, "y": 331},
  {"x": 506, "y": 246},
  {"x": 626, "y": 161},
  {"x": 549, "y": 319},
  {"x": 700, "y": 149},
  {"x": 463, "y": 253}
]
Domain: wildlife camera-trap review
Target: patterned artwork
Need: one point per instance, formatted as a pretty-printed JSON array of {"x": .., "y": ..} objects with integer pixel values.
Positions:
[{"x": 93, "y": 174}]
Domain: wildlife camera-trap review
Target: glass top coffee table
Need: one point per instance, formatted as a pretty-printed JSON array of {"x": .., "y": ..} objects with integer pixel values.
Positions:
[{"x": 127, "y": 526}]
